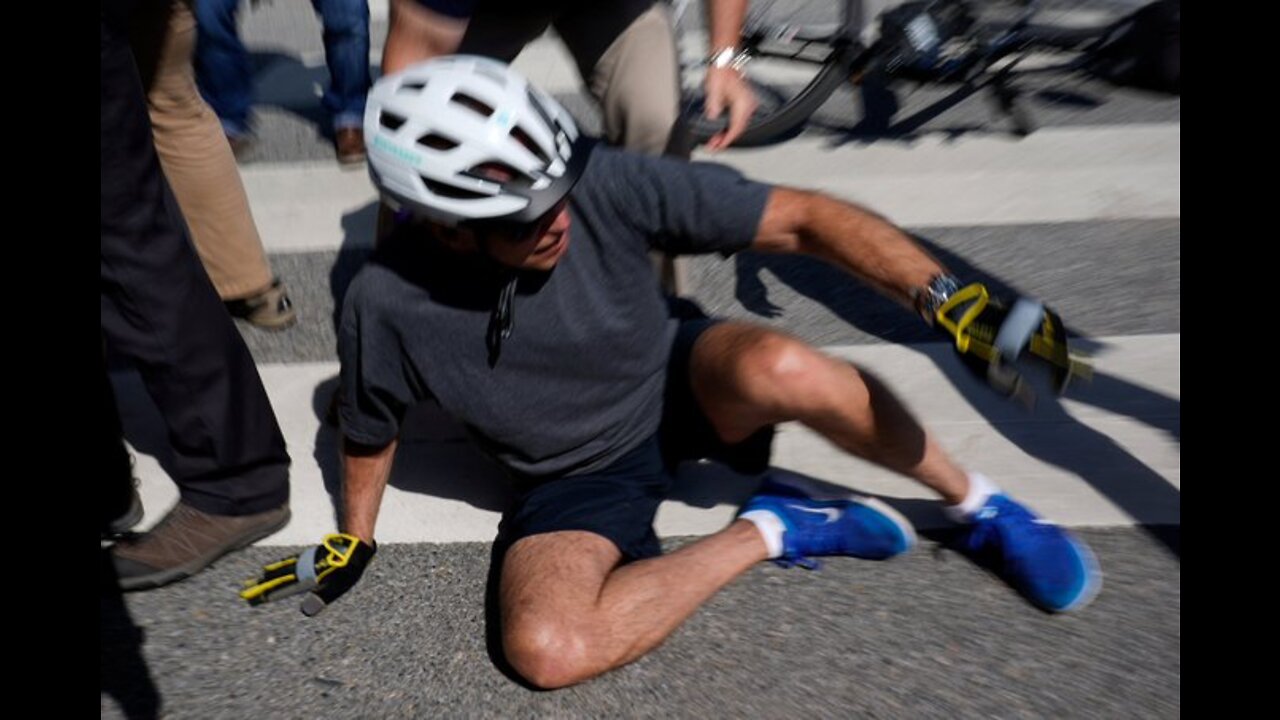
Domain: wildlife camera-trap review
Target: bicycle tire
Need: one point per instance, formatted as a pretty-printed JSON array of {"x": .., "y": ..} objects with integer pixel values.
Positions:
[
  {"x": 791, "y": 81},
  {"x": 779, "y": 121}
]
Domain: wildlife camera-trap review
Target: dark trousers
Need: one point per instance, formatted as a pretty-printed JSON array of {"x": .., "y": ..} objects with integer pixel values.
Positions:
[{"x": 161, "y": 312}]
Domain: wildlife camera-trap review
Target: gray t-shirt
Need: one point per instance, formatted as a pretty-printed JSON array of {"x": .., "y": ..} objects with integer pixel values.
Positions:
[{"x": 579, "y": 381}]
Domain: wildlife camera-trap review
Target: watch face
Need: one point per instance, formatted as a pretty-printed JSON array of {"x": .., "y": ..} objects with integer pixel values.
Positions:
[
  {"x": 944, "y": 286},
  {"x": 936, "y": 294}
]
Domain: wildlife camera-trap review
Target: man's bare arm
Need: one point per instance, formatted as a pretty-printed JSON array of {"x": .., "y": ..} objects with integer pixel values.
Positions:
[
  {"x": 365, "y": 472},
  {"x": 850, "y": 237}
]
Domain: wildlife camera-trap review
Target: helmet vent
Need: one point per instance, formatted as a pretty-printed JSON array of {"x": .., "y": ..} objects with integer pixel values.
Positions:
[
  {"x": 536, "y": 103},
  {"x": 524, "y": 139},
  {"x": 413, "y": 86},
  {"x": 390, "y": 121},
  {"x": 436, "y": 141},
  {"x": 472, "y": 104},
  {"x": 451, "y": 192},
  {"x": 500, "y": 172}
]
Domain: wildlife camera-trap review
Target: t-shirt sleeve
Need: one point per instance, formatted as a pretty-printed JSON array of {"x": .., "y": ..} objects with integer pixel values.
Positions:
[
  {"x": 376, "y": 389},
  {"x": 682, "y": 207}
]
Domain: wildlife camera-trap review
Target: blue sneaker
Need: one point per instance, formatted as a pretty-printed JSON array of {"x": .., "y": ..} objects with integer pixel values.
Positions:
[
  {"x": 1054, "y": 570},
  {"x": 852, "y": 525}
]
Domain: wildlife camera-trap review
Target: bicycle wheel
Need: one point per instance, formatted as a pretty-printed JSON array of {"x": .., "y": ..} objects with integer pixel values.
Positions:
[{"x": 799, "y": 58}]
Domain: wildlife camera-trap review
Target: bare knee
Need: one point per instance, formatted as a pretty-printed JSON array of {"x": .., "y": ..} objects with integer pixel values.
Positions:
[
  {"x": 551, "y": 634},
  {"x": 747, "y": 377},
  {"x": 782, "y": 375},
  {"x": 548, "y": 654}
]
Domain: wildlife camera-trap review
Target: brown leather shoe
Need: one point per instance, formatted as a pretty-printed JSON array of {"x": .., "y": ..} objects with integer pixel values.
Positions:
[
  {"x": 187, "y": 541},
  {"x": 350, "y": 145}
]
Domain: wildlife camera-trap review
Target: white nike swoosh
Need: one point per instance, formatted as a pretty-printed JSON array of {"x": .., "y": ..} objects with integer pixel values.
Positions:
[{"x": 831, "y": 513}]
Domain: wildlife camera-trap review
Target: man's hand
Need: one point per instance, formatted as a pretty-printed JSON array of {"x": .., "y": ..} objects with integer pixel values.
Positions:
[
  {"x": 991, "y": 336},
  {"x": 726, "y": 87},
  {"x": 326, "y": 570}
]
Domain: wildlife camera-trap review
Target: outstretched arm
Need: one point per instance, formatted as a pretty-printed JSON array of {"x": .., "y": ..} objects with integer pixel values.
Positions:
[
  {"x": 851, "y": 237},
  {"x": 989, "y": 333}
]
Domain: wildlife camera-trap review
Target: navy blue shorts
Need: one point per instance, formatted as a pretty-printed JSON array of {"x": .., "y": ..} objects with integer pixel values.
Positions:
[{"x": 619, "y": 502}]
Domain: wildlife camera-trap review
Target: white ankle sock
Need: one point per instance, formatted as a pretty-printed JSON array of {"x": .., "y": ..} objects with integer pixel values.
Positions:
[
  {"x": 980, "y": 489},
  {"x": 770, "y": 527}
]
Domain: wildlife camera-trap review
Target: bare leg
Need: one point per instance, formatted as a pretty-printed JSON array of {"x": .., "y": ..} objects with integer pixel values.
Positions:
[
  {"x": 746, "y": 377},
  {"x": 570, "y": 612}
]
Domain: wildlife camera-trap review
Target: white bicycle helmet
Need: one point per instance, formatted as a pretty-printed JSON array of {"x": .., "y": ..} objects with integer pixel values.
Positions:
[{"x": 433, "y": 129}]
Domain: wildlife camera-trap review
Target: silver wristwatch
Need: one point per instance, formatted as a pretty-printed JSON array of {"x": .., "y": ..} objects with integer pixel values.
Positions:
[
  {"x": 932, "y": 296},
  {"x": 730, "y": 57}
]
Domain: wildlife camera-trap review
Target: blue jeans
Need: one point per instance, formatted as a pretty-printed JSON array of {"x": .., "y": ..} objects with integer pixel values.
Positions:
[{"x": 225, "y": 74}]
